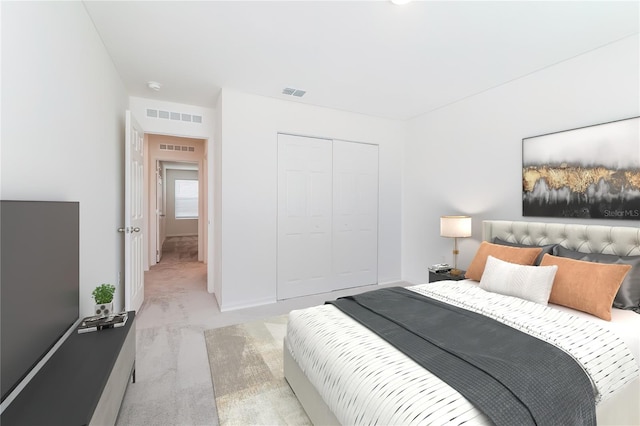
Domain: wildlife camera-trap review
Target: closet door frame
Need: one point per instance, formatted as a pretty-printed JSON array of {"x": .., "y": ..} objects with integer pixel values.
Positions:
[
  {"x": 355, "y": 213},
  {"x": 327, "y": 224},
  {"x": 304, "y": 231}
]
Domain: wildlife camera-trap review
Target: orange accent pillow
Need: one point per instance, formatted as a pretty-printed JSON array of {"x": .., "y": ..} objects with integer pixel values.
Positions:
[
  {"x": 585, "y": 286},
  {"x": 518, "y": 255}
]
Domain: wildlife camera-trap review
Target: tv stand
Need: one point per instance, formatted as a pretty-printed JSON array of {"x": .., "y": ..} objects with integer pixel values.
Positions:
[{"x": 83, "y": 383}]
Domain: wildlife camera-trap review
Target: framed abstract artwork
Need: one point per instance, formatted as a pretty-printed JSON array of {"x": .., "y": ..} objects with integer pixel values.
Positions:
[{"x": 590, "y": 172}]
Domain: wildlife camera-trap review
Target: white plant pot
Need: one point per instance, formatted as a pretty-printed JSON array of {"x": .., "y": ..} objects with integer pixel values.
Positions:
[{"x": 103, "y": 309}]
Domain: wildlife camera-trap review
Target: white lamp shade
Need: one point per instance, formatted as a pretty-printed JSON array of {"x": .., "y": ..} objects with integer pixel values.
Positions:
[{"x": 455, "y": 226}]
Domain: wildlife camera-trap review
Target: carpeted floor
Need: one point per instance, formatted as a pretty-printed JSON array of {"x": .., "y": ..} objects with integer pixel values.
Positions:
[
  {"x": 247, "y": 375},
  {"x": 173, "y": 375},
  {"x": 173, "y": 386},
  {"x": 180, "y": 249}
]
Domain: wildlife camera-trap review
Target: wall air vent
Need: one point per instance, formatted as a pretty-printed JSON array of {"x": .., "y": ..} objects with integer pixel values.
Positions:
[
  {"x": 176, "y": 116},
  {"x": 182, "y": 148},
  {"x": 293, "y": 92}
]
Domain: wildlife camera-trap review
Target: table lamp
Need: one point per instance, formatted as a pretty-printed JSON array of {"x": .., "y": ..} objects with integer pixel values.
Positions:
[{"x": 455, "y": 227}]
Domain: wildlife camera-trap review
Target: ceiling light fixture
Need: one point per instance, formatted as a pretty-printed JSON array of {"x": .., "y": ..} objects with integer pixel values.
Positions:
[
  {"x": 154, "y": 85},
  {"x": 400, "y": 2}
]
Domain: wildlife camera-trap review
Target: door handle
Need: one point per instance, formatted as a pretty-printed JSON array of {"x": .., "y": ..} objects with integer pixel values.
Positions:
[{"x": 127, "y": 230}]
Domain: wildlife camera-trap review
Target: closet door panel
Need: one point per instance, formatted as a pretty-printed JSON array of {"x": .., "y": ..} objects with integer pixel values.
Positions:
[
  {"x": 355, "y": 214},
  {"x": 304, "y": 216}
]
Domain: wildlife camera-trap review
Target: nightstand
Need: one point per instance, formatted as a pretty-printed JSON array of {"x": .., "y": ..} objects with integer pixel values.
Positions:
[{"x": 441, "y": 276}]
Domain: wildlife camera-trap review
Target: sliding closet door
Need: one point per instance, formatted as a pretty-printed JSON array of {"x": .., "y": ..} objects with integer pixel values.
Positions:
[
  {"x": 355, "y": 214},
  {"x": 304, "y": 216}
]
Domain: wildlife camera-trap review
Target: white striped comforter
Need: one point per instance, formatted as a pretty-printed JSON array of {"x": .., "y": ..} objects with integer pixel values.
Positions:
[{"x": 364, "y": 380}]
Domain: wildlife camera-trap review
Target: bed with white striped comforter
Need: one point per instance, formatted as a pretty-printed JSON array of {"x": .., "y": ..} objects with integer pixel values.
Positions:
[{"x": 364, "y": 380}]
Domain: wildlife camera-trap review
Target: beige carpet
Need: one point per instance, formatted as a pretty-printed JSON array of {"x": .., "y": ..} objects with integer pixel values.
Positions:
[
  {"x": 248, "y": 381},
  {"x": 180, "y": 249}
]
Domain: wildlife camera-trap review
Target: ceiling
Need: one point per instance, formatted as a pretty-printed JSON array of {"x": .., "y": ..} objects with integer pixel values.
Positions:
[{"x": 370, "y": 57}]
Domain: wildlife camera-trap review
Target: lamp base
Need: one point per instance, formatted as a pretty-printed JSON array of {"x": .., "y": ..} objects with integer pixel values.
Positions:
[{"x": 455, "y": 272}]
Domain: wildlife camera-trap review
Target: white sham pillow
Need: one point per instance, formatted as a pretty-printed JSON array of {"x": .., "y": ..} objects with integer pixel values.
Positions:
[{"x": 526, "y": 282}]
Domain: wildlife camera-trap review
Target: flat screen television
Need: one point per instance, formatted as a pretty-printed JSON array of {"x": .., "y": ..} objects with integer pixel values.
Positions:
[{"x": 39, "y": 283}]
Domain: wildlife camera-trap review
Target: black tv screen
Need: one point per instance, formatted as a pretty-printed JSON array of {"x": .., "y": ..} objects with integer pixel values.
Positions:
[{"x": 39, "y": 287}]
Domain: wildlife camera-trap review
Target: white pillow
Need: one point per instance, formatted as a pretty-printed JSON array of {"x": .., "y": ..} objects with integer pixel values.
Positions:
[{"x": 526, "y": 282}]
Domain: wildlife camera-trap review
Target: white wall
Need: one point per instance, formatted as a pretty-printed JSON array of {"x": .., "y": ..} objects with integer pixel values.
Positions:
[
  {"x": 62, "y": 137},
  {"x": 162, "y": 126},
  {"x": 467, "y": 157},
  {"x": 249, "y": 128},
  {"x": 214, "y": 280}
]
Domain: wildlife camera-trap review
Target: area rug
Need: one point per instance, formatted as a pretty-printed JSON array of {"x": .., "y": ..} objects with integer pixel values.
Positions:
[{"x": 247, "y": 375}]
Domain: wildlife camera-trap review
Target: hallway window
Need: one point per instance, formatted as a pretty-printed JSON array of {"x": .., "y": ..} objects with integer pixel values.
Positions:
[{"x": 186, "y": 199}]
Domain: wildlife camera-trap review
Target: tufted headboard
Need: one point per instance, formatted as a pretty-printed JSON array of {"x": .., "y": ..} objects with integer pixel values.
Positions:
[{"x": 618, "y": 240}]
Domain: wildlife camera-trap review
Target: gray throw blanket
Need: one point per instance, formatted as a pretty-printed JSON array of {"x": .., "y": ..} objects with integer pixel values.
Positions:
[{"x": 512, "y": 377}]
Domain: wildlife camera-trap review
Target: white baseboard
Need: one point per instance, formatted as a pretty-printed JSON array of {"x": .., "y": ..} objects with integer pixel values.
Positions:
[{"x": 246, "y": 304}]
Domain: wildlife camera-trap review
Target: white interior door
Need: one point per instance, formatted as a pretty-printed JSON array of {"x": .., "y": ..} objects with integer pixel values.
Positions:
[
  {"x": 355, "y": 214},
  {"x": 160, "y": 211},
  {"x": 133, "y": 247},
  {"x": 304, "y": 216}
]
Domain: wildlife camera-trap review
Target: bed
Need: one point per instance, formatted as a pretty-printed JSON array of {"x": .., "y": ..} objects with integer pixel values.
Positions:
[{"x": 343, "y": 373}]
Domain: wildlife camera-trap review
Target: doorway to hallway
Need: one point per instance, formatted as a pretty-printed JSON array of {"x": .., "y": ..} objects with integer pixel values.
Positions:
[{"x": 176, "y": 197}]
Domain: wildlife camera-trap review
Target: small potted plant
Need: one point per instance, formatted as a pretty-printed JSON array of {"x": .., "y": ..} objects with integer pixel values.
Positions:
[{"x": 103, "y": 296}]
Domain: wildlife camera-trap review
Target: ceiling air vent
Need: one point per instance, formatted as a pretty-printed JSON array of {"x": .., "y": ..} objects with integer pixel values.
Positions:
[
  {"x": 293, "y": 92},
  {"x": 177, "y": 116},
  {"x": 183, "y": 148}
]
